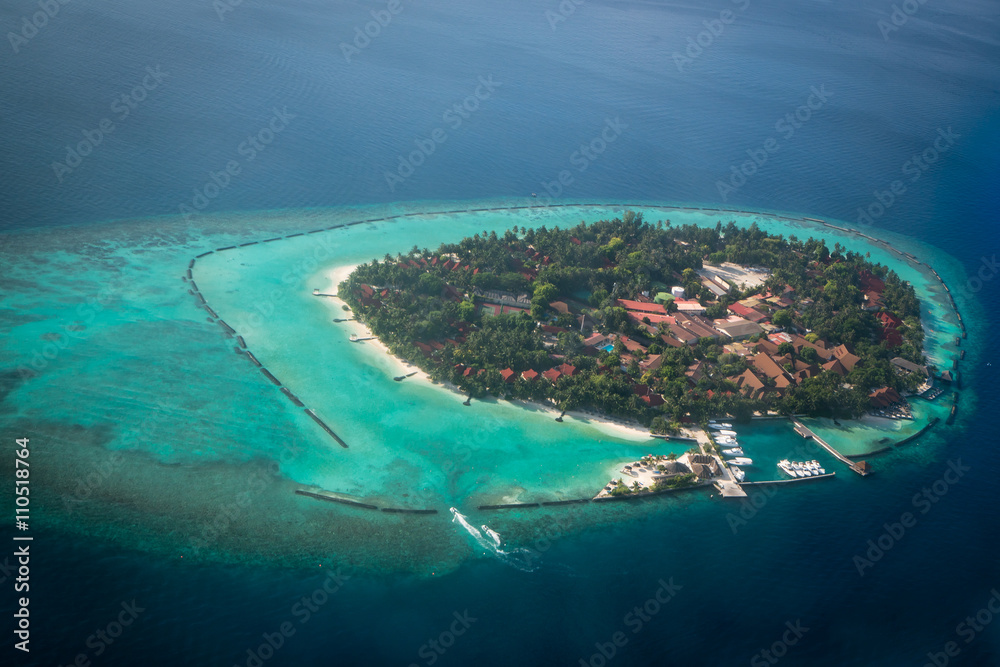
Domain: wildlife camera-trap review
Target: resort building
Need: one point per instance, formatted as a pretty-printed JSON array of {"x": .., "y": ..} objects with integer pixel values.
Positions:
[{"x": 737, "y": 328}]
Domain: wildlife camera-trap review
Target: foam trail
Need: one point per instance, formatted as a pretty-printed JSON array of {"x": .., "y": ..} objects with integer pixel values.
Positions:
[
  {"x": 460, "y": 518},
  {"x": 492, "y": 534},
  {"x": 517, "y": 558}
]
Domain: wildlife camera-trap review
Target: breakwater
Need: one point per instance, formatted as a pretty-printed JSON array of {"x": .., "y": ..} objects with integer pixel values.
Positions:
[
  {"x": 243, "y": 350},
  {"x": 331, "y": 497}
]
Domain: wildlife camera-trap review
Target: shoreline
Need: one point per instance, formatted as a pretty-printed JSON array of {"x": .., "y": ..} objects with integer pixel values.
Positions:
[
  {"x": 339, "y": 273},
  {"x": 608, "y": 426}
]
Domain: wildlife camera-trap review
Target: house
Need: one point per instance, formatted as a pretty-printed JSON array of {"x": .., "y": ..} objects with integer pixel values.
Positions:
[
  {"x": 845, "y": 357},
  {"x": 559, "y": 307},
  {"x": 746, "y": 313},
  {"x": 597, "y": 340},
  {"x": 671, "y": 341},
  {"x": 704, "y": 466},
  {"x": 529, "y": 375},
  {"x": 686, "y": 306},
  {"x": 552, "y": 375},
  {"x": 873, "y": 301},
  {"x": 641, "y": 307},
  {"x": 695, "y": 372},
  {"x": 652, "y": 318},
  {"x": 737, "y": 328},
  {"x": 699, "y": 326},
  {"x": 631, "y": 345},
  {"x": 652, "y": 400},
  {"x": 798, "y": 342},
  {"x": 567, "y": 369},
  {"x": 889, "y": 320},
  {"x": 906, "y": 366},
  {"x": 714, "y": 287},
  {"x": 835, "y": 366},
  {"x": 652, "y": 363},
  {"x": 749, "y": 384},
  {"x": 870, "y": 282},
  {"x": 507, "y": 375},
  {"x": 884, "y": 397},
  {"x": 769, "y": 367},
  {"x": 682, "y": 334}
]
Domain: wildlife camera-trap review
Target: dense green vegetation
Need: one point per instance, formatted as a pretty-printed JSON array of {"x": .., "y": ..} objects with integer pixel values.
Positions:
[{"x": 427, "y": 298}]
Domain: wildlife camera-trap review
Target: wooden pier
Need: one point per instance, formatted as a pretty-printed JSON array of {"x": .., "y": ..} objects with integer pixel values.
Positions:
[{"x": 861, "y": 467}]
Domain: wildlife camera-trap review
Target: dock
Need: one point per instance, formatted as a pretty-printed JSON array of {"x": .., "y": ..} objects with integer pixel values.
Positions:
[
  {"x": 730, "y": 489},
  {"x": 861, "y": 467},
  {"x": 769, "y": 482}
]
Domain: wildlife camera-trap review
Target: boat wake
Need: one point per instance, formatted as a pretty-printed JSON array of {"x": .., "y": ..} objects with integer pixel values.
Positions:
[{"x": 491, "y": 542}]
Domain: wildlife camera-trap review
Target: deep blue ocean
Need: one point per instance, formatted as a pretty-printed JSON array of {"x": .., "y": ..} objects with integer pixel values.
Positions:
[{"x": 655, "y": 101}]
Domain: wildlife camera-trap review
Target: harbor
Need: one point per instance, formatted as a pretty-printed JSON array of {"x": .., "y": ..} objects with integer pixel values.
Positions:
[{"x": 862, "y": 467}]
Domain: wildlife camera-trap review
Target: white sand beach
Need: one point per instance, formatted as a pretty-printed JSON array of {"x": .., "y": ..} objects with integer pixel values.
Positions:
[
  {"x": 613, "y": 427},
  {"x": 398, "y": 367}
]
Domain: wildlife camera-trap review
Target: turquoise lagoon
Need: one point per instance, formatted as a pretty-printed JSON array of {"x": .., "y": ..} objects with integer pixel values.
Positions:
[{"x": 152, "y": 421}]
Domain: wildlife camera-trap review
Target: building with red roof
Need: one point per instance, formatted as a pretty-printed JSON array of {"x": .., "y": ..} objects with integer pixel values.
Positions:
[
  {"x": 639, "y": 306},
  {"x": 552, "y": 375}
]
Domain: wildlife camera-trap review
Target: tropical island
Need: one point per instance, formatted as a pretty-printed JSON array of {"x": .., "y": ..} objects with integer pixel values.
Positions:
[{"x": 662, "y": 324}]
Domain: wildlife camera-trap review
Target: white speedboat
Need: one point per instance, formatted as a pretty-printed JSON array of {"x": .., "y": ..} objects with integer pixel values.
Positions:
[
  {"x": 786, "y": 467},
  {"x": 741, "y": 461},
  {"x": 737, "y": 473},
  {"x": 735, "y": 451},
  {"x": 719, "y": 426},
  {"x": 727, "y": 432},
  {"x": 727, "y": 442},
  {"x": 492, "y": 534}
]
